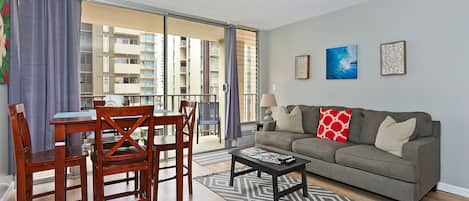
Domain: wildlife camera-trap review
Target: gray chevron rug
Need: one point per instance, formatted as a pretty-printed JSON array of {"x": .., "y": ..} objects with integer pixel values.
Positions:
[{"x": 251, "y": 188}]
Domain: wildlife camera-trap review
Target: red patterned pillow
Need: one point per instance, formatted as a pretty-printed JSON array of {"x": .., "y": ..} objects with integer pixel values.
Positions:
[{"x": 334, "y": 124}]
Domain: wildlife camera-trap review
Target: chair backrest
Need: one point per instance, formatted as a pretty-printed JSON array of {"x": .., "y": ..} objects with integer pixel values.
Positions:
[
  {"x": 23, "y": 150},
  {"x": 188, "y": 109},
  {"x": 103, "y": 103},
  {"x": 130, "y": 118},
  {"x": 208, "y": 111},
  {"x": 97, "y": 103},
  {"x": 21, "y": 136}
]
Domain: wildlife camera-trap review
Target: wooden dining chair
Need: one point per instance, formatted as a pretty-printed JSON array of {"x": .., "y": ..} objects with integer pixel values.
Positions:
[
  {"x": 103, "y": 103},
  {"x": 168, "y": 143},
  {"x": 111, "y": 137},
  {"x": 97, "y": 103},
  {"x": 28, "y": 163},
  {"x": 125, "y": 154}
]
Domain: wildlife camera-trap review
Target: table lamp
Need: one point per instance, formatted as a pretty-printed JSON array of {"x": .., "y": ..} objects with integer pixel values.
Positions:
[{"x": 268, "y": 101}]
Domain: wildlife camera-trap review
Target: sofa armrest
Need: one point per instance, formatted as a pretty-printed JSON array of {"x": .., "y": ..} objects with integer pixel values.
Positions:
[
  {"x": 425, "y": 154},
  {"x": 268, "y": 126}
]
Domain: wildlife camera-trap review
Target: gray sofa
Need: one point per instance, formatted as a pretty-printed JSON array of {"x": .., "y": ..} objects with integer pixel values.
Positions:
[{"x": 359, "y": 163}]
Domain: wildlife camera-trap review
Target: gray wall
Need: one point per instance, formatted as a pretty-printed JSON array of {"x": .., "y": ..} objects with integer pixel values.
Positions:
[
  {"x": 437, "y": 35},
  {"x": 4, "y": 130}
]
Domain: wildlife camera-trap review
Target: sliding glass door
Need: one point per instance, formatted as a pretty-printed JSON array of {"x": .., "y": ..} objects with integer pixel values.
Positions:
[
  {"x": 247, "y": 74},
  {"x": 195, "y": 71},
  {"x": 121, "y": 54},
  {"x": 152, "y": 59}
]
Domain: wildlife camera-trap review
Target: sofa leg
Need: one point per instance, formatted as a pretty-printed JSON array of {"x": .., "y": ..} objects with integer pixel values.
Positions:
[{"x": 434, "y": 188}]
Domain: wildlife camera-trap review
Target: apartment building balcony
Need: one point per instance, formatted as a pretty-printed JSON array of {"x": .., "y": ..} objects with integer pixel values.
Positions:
[
  {"x": 127, "y": 68},
  {"x": 214, "y": 52},
  {"x": 214, "y": 68},
  {"x": 129, "y": 49},
  {"x": 147, "y": 69},
  {"x": 183, "y": 69},
  {"x": 86, "y": 88},
  {"x": 148, "y": 83},
  {"x": 127, "y": 88},
  {"x": 183, "y": 44},
  {"x": 148, "y": 49},
  {"x": 147, "y": 57},
  {"x": 147, "y": 76},
  {"x": 124, "y": 31},
  {"x": 150, "y": 66},
  {"x": 147, "y": 39},
  {"x": 214, "y": 82}
]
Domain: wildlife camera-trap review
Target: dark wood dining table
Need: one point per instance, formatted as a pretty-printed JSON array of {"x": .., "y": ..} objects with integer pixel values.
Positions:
[{"x": 76, "y": 122}]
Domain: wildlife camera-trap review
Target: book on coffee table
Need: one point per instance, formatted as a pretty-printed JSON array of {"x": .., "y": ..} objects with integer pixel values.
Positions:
[{"x": 268, "y": 156}]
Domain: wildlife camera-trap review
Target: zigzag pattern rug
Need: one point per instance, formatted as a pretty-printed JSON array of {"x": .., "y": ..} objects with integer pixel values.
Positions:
[{"x": 251, "y": 188}]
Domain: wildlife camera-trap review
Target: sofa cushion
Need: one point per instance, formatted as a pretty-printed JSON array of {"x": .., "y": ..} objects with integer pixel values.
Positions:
[
  {"x": 311, "y": 119},
  {"x": 355, "y": 122},
  {"x": 369, "y": 158},
  {"x": 334, "y": 124},
  {"x": 318, "y": 148},
  {"x": 393, "y": 135},
  {"x": 279, "y": 139},
  {"x": 310, "y": 116},
  {"x": 268, "y": 126},
  {"x": 372, "y": 120},
  {"x": 288, "y": 121}
]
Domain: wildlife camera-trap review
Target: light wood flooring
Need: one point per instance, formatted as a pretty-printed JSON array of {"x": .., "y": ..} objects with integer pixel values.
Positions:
[{"x": 201, "y": 193}]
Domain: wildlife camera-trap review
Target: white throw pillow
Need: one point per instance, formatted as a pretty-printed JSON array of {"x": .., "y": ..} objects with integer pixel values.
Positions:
[
  {"x": 285, "y": 121},
  {"x": 393, "y": 135}
]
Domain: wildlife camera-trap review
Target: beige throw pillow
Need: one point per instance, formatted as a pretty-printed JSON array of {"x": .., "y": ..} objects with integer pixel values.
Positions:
[
  {"x": 285, "y": 121},
  {"x": 393, "y": 135}
]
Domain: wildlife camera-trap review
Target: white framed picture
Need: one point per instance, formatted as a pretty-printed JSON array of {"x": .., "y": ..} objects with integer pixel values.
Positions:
[
  {"x": 393, "y": 58},
  {"x": 302, "y": 67}
]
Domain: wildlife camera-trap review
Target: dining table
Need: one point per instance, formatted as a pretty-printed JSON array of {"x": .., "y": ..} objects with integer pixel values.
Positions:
[{"x": 70, "y": 123}]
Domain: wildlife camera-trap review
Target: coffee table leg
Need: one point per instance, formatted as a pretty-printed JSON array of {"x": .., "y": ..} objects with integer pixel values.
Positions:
[
  {"x": 304, "y": 182},
  {"x": 233, "y": 161},
  {"x": 259, "y": 173},
  {"x": 275, "y": 187}
]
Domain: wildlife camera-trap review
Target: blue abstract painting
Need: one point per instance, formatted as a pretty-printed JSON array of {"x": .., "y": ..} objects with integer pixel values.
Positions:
[{"x": 342, "y": 62}]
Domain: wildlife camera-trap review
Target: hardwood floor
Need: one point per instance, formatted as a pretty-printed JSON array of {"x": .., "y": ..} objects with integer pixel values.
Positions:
[{"x": 201, "y": 193}]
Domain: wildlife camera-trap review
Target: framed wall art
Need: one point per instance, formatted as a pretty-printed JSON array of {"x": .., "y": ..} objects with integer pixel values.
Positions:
[
  {"x": 342, "y": 62},
  {"x": 393, "y": 58},
  {"x": 302, "y": 65}
]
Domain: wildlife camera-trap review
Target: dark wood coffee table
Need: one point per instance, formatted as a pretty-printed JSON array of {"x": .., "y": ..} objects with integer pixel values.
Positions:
[{"x": 273, "y": 169}]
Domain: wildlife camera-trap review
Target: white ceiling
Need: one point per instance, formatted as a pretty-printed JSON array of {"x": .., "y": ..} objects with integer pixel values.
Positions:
[{"x": 259, "y": 14}]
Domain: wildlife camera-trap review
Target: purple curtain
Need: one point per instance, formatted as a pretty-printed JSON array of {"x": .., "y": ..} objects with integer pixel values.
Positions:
[
  {"x": 45, "y": 64},
  {"x": 232, "y": 124}
]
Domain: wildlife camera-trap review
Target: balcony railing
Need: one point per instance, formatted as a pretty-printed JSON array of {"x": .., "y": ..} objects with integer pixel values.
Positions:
[
  {"x": 183, "y": 69},
  {"x": 125, "y": 31},
  {"x": 156, "y": 100},
  {"x": 147, "y": 39},
  {"x": 127, "y": 88},
  {"x": 130, "y": 49},
  {"x": 248, "y": 109},
  {"x": 120, "y": 68}
]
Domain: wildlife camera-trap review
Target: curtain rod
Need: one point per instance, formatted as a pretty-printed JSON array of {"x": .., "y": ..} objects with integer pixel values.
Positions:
[{"x": 150, "y": 9}]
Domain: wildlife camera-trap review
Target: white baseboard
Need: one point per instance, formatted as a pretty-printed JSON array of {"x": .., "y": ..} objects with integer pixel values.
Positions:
[{"x": 453, "y": 189}]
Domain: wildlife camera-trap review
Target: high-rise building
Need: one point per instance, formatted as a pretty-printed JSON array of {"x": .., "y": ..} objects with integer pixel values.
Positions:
[
  {"x": 129, "y": 62},
  {"x": 86, "y": 70}
]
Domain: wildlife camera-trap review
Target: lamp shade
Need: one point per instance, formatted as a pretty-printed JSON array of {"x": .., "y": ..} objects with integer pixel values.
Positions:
[{"x": 268, "y": 100}]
